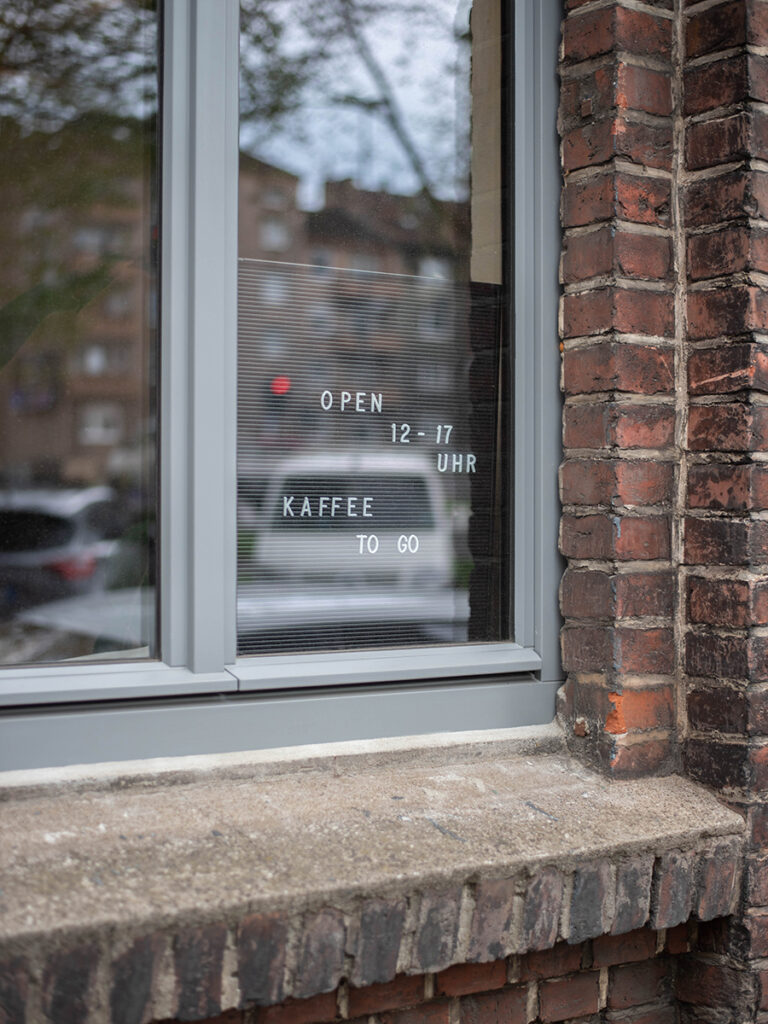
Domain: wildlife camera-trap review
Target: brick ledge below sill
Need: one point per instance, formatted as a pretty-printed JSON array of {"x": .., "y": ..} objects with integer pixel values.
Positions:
[{"x": 285, "y": 875}]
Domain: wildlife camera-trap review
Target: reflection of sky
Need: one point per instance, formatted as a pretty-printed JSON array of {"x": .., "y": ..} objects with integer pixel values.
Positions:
[{"x": 427, "y": 70}]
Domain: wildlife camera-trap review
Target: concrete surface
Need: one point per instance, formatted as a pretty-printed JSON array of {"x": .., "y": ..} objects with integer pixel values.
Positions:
[{"x": 195, "y": 845}]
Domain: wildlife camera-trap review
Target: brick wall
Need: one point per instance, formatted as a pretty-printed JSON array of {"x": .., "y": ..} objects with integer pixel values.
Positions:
[
  {"x": 664, "y": 325},
  {"x": 629, "y": 979}
]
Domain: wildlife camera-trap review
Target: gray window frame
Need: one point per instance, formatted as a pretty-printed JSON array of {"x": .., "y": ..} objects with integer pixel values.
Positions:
[{"x": 202, "y": 698}]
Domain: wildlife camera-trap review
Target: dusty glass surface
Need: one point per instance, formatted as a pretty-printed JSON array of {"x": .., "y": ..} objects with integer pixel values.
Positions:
[
  {"x": 78, "y": 311},
  {"x": 373, "y": 405}
]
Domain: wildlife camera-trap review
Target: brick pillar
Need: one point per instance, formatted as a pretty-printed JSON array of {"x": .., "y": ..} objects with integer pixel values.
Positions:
[
  {"x": 725, "y": 218},
  {"x": 619, "y": 334}
]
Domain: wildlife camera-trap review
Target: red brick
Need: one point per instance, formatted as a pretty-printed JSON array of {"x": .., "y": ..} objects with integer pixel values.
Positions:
[
  {"x": 566, "y": 998},
  {"x": 638, "y": 710},
  {"x": 721, "y": 140},
  {"x": 586, "y": 536},
  {"x": 404, "y": 990},
  {"x": 736, "y": 309},
  {"x": 645, "y": 651},
  {"x": 718, "y": 84},
  {"x": 588, "y": 255},
  {"x": 464, "y": 979},
  {"x": 426, "y": 1013},
  {"x": 641, "y": 537},
  {"x": 644, "y": 483},
  {"x": 641, "y": 33},
  {"x": 608, "y": 950},
  {"x": 588, "y": 35},
  {"x": 642, "y": 200},
  {"x": 587, "y": 482},
  {"x": 640, "y": 88},
  {"x": 589, "y": 94},
  {"x": 643, "y": 426},
  {"x": 717, "y": 28},
  {"x": 507, "y": 1007},
  {"x": 551, "y": 963},
  {"x": 724, "y": 487},
  {"x": 728, "y": 368},
  {"x": 716, "y": 763},
  {"x": 716, "y": 542},
  {"x": 589, "y": 145},
  {"x": 629, "y": 759},
  {"x": 725, "y": 197},
  {"x": 757, "y": 881},
  {"x": 316, "y": 1010},
  {"x": 587, "y": 595},
  {"x": 639, "y": 594},
  {"x": 629, "y": 197},
  {"x": 726, "y": 428},
  {"x": 716, "y": 253},
  {"x": 643, "y": 256},
  {"x": 586, "y": 202},
  {"x": 638, "y": 369},
  {"x": 757, "y": 23},
  {"x": 635, "y": 984}
]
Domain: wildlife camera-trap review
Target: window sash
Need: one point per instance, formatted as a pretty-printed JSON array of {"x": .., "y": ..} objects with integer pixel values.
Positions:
[{"x": 197, "y": 590}]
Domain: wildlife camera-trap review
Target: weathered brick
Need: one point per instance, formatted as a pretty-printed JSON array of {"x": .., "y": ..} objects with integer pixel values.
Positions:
[
  {"x": 721, "y": 487},
  {"x": 566, "y": 998},
  {"x": 464, "y": 979},
  {"x": 198, "y": 956},
  {"x": 551, "y": 963},
  {"x": 437, "y": 930},
  {"x": 730, "y": 368},
  {"x": 629, "y": 759},
  {"x": 642, "y": 426},
  {"x": 719, "y": 874},
  {"x": 633, "y": 899},
  {"x": 718, "y": 141},
  {"x": 634, "y": 984},
  {"x": 722, "y": 708},
  {"x": 491, "y": 919},
  {"x": 261, "y": 941},
  {"x": 726, "y": 428},
  {"x": 717, "y": 28},
  {"x": 716, "y": 542},
  {"x": 713, "y": 984},
  {"x": 756, "y": 927},
  {"x": 14, "y": 990},
  {"x": 132, "y": 977},
  {"x": 321, "y": 955},
  {"x": 586, "y": 594},
  {"x": 736, "y": 309},
  {"x": 621, "y": 309},
  {"x": 644, "y": 593},
  {"x": 640, "y": 944},
  {"x": 637, "y": 369},
  {"x": 403, "y": 990},
  {"x": 541, "y": 910},
  {"x": 507, "y": 1007},
  {"x": 590, "y": 902},
  {"x": 722, "y": 765},
  {"x": 719, "y": 602},
  {"x": 437, "y": 1012},
  {"x": 637, "y": 709},
  {"x": 673, "y": 885},
  {"x": 317, "y": 1010},
  {"x": 645, "y": 651},
  {"x": 708, "y": 654},
  {"x": 378, "y": 942},
  {"x": 716, "y": 84},
  {"x": 67, "y": 979}
]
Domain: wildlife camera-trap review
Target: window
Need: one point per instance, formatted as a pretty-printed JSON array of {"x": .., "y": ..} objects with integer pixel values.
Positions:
[{"x": 201, "y": 693}]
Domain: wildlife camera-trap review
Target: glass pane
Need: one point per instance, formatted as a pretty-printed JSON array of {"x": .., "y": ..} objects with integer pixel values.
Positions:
[
  {"x": 78, "y": 330},
  {"x": 374, "y": 407}
]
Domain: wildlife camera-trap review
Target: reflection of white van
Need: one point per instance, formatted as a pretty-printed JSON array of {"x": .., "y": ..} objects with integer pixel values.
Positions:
[{"x": 368, "y": 517}]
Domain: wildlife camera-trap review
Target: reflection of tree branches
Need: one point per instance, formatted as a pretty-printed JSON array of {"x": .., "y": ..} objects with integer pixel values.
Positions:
[{"x": 388, "y": 102}]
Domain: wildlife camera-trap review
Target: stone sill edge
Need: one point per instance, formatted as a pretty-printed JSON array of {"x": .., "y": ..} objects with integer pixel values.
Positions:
[{"x": 341, "y": 758}]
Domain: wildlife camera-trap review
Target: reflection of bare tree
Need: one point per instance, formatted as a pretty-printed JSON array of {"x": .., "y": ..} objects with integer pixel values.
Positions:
[{"x": 327, "y": 59}]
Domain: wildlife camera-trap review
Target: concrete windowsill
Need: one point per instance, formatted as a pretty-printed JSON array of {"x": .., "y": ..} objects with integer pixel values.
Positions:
[{"x": 503, "y": 838}]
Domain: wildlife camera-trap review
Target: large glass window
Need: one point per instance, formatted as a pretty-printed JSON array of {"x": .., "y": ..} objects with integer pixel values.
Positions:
[
  {"x": 373, "y": 369},
  {"x": 78, "y": 309}
]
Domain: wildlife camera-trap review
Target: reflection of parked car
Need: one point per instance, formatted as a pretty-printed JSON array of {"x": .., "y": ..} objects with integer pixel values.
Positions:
[
  {"x": 365, "y": 517},
  {"x": 55, "y": 543}
]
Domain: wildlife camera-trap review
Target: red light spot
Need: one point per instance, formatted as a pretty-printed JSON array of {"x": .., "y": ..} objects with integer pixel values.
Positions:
[{"x": 280, "y": 385}]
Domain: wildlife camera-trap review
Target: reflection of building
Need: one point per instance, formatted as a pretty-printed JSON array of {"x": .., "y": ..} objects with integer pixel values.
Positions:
[{"x": 75, "y": 384}]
